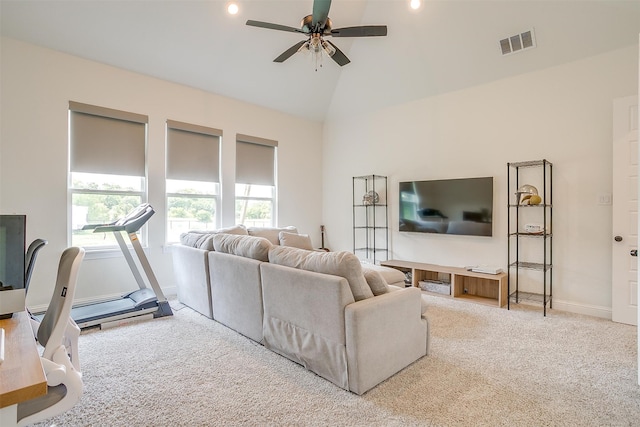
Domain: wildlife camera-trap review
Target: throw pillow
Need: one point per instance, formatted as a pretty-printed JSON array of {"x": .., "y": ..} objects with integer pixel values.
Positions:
[
  {"x": 245, "y": 246},
  {"x": 376, "y": 282},
  {"x": 300, "y": 241},
  {"x": 270, "y": 233},
  {"x": 343, "y": 264}
]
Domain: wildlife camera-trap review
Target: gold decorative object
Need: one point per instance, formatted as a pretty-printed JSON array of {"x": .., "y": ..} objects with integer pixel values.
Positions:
[{"x": 524, "y": 193}]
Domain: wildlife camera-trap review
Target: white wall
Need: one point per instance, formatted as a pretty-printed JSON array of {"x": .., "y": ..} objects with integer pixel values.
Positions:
[
  {"x": 563, "y": 114},
  {"x": 37, "y": 85}
]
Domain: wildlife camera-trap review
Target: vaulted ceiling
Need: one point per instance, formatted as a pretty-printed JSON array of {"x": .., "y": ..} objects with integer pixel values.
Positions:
[{"x": 443, "y": 46}]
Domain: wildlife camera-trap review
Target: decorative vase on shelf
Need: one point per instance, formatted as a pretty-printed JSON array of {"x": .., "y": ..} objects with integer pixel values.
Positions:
[{"x": 370, "y": 198}]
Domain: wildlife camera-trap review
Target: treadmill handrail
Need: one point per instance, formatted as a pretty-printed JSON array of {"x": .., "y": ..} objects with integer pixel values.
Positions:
[{"x": 130, "y": 223}]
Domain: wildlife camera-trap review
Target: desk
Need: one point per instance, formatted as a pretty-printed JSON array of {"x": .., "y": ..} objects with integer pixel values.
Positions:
[{"x": 21, "y": 374}]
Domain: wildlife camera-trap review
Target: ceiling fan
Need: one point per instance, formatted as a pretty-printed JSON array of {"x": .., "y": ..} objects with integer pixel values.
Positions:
[{"x": 318, "y": 26}]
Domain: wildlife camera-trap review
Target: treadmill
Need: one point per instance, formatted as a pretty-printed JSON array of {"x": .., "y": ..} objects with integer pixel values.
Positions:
[{"x": 143, "y": 303}]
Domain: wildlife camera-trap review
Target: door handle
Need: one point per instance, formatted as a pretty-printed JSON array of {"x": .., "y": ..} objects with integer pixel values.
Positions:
[{"x": 634, "y": 252}]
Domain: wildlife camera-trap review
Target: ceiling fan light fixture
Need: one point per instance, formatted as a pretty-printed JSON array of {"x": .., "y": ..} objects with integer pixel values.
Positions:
[
  {"x": 316, "y": 43},
  {"x": 328, "y": 49},
  {"x": 305, "y": 47}
]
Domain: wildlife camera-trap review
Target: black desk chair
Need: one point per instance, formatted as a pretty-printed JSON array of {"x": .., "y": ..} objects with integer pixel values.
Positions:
[{"x": 30, "y": 260}]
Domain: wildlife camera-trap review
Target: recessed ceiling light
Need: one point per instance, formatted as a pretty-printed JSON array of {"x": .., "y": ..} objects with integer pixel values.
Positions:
[
  {"x": 232, "y": 8},
  {"x": 415, "y": 4}
]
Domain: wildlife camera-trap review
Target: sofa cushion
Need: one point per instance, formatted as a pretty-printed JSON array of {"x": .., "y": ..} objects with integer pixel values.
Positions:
[
  {"x": 375, "y": 281},
  {"x": 194, "y": 238},
  {"x": 201, "y": 239},
  {"x": 246, "y": 246},
  {"x": 270, "y": 233},
  {"x": 294, "y": 240},
  {"x": 390, "y": 275},
  {"x": 343, "y": 264}
]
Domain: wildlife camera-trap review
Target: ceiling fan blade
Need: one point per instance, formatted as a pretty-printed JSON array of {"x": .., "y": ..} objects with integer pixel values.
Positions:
[
  {"x": 340, "y": 58},
  {"x": 320, "y": 13},
  {"x": 273, "y": 26},
  {"x": 363, "y": 31},
  {"x": 289, "y": 52}
]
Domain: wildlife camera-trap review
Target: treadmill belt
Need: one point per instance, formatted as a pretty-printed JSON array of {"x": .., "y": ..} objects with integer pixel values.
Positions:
[{"x": 104, "y": 309}]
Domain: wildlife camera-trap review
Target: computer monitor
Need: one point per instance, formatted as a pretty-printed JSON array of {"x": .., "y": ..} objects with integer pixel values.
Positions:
[{"x": 12, "y": 250}]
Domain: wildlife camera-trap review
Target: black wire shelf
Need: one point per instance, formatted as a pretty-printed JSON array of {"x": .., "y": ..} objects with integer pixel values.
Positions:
[{"x": 531, "y": 265}]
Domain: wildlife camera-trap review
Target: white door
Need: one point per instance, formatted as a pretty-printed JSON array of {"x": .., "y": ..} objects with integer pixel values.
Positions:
[{"x": 624, "y": 293}]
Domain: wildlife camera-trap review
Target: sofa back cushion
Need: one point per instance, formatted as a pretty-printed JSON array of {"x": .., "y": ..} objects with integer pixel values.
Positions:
[
  {"x": 294, "y": 240},
  {"x": 194, "y": 239},
  {"x": 201, "y": 239},
  {"x": 271, "y": 233},
  {"x": 245, "y": 246},
  {"x": 343, "y": 264}
]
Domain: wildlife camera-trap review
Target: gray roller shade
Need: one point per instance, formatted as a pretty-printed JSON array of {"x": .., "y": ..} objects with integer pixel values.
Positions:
[
  {"x": 193, "y": 152},
  {"x": 255, "y": 160},
  {"x": 107, "y": 141}
]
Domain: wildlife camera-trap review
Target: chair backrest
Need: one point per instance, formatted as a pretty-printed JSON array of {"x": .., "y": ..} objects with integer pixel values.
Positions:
[
  {"x": 30, "y": 260},
  {"x": 55, "y": 320}
]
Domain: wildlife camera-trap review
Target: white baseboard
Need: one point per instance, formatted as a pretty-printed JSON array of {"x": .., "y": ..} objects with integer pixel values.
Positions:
[{"x": 589, "y": 310}]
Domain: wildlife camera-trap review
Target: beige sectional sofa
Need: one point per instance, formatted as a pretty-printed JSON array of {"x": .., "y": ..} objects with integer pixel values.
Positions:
[{"x": 315, "y": 308}]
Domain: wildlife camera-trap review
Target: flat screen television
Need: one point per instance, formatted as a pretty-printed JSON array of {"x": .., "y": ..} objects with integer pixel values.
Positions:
[
  {"x": 448, "y": 206},
  {"x": 12, "y": 248}
]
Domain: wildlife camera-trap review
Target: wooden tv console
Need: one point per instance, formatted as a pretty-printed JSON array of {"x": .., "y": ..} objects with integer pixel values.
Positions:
[{"x": 490, "y": 289}]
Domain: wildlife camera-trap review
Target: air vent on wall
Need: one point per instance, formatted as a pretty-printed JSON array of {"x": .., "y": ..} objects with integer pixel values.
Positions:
[{"x": 518, "y": 42}]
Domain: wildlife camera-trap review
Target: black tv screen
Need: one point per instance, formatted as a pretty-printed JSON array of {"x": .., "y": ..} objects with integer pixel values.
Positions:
[
  {"x": 448, "y": 206},
  {"x": 12, "y": 248}
]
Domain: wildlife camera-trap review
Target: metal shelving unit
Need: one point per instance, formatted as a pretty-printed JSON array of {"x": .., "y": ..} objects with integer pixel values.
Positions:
[
  {"x": 370, "y": 219},
  {"x": 540, "y": 172}
]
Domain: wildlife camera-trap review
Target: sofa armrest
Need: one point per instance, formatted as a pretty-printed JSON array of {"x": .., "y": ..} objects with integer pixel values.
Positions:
[
  {"x": 384, "y": 334},
  {"x": 191, "y": 271}
]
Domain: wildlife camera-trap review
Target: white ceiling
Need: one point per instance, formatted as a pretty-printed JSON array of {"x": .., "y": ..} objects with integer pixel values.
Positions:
[{"x": 446, "y": 45}]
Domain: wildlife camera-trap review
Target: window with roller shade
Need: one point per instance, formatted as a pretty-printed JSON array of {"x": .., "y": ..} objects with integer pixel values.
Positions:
[
  {"x": 255, "y": 181},
  {"x": 107, "y": 169},
  {"x": 193, "y": 178}
]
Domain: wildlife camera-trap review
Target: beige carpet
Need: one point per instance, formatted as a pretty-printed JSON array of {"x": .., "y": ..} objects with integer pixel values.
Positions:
[{"x": 487, "y": 367}]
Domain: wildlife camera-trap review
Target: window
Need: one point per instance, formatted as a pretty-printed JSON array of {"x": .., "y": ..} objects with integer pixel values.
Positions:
[
  {"x": 193, "y": 178},
  {"x": 106, "y": 169},
  {"x": 255, "y": 181}
]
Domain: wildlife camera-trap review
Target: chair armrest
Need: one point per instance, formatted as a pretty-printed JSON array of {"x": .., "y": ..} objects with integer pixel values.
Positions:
[
  {"x": 54, "y": 372},
  {"x": 70, "y": 341},
  {"x": 384, "y": 334}
]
